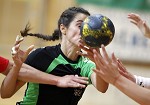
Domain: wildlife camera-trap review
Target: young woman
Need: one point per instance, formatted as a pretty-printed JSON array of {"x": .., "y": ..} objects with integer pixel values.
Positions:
[
  {"x": 61, "y": 60},
  {"x": 17, "y": 70}
]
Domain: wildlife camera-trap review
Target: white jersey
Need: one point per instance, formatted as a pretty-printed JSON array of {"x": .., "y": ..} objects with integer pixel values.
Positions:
[{"x": 142, "y": 81}]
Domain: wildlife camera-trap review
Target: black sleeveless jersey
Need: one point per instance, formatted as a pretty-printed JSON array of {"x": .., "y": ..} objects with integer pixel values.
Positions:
[{"x": 52, "y": 60}]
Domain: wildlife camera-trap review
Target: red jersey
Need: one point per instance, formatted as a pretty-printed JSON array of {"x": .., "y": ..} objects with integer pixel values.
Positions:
[{"x": 3, "y": 64}]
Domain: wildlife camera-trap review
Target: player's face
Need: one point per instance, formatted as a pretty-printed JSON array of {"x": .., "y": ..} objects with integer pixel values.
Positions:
[{"x": 73, "y": 31}]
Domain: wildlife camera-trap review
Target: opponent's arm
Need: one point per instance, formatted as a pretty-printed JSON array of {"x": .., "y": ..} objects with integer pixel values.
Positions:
[
  {"x": 97, "y": 81},
  {"x": 109, "y": 71},
  {"x": 140, "y": 23},
  {"x": 30, "y": 74},
  {"x": 9, "y": 83}
]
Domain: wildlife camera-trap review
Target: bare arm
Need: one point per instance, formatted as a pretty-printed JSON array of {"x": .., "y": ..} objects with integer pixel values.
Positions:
[
  {"x": 140, "y": 23},
  {"x": 9, "y": 83},
  {"x": 30, "y": 74},
  {"x": 139, "y": 94},
  {"x": 124, "y": 72},
  {"x": 17, "y": 72},
  {"x": 109, "y": 71},
  {"x": 97, "y": 81}
]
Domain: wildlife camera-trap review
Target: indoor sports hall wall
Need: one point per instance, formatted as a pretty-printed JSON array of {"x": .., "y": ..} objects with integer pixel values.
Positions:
[{"x": 128, "y": 43}]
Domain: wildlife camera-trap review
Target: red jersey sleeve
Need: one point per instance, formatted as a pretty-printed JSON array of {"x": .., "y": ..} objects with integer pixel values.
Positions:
[{"x": 3, "y": 64}]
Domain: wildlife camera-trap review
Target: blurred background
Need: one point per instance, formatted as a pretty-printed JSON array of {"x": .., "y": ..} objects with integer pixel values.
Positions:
[{"x": 128, "y": 44}]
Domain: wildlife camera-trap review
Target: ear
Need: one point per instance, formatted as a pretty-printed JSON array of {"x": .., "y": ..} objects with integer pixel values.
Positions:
[{"x": 63, "y": 29}]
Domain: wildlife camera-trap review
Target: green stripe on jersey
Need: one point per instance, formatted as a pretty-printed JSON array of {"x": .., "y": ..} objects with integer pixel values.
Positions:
[
  {"x": 57, "y": 61},
  {"x": 32, "y": 97},
  {"x": 84, "y": 63}
]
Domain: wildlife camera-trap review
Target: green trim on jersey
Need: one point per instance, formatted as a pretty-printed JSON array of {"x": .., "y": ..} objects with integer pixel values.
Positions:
[
  {"x": 57, "y": 61},
  {"x": 34, "y": 91},
  {"x": 85, "y": 63}
]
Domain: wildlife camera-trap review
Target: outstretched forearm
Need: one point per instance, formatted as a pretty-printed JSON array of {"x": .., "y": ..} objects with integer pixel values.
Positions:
[
  {"x": 9, "y": 83},
  {"x": 30, "y": 74},
  {"x": 99, "y": 83},
  {"x": 139, "y": 94}
]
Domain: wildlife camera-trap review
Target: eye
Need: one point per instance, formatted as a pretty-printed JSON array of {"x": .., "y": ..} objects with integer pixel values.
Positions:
[{"x": 79, "y": 24}]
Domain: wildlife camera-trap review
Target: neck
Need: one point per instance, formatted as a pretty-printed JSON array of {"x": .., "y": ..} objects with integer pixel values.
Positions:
[{"x": 69, "y": 50}]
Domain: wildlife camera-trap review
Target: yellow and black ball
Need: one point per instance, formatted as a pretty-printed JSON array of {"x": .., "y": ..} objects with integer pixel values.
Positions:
[{"x": 96, "y": 30}]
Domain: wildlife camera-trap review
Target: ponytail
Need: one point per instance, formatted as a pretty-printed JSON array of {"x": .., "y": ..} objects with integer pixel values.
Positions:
[{"x": 55, "y": 35}]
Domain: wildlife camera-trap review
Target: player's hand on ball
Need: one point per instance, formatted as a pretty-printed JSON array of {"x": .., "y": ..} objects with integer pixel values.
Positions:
[{"x": 86, "y": 51}]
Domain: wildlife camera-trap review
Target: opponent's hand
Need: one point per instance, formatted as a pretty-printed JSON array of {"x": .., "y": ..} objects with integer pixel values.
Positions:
[
  {"x": 18, "y": 55},
  {"x": 107, "y": 68},
  {"x": 123, "y": 71},
  {"x": 72, "y": 81},
  {"x": 141, "y": 24}
]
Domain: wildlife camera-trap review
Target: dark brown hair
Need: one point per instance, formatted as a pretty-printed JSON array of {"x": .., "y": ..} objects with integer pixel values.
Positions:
[{"x": 66, "y": 18}]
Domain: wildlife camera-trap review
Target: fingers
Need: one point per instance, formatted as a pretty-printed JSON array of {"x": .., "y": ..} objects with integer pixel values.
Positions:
[
  {"x": 99, "y": 61},
  {"x": 78, "y": 82},
  {"x": 15, "y": 49},
  {"x": 82, "y": 53},
  {"x": 122, "y": 69},
  {"x": 134, "y": 17},
  {"x": 84, "y": 78},
  {"x": 121, "y": 66},
  {"x": 85, "y": 48},
  {"x": 82, "y": 43},
  {"x": 145, "y": 25},
  {"x": 18, "y": 39},
  {"x": 76, "y": 85},
  {"x": 114, "y": 59},
  {"x": 29, "y": 49},
  {"x": 135, "y": 23},
  {"x": 17, "y": 53},
  {"x": 99, "y": 73},
  {"x": 86, "y": 51},
  {"x": 105, "y": 55},
  {"x": 81, "y": 80}
]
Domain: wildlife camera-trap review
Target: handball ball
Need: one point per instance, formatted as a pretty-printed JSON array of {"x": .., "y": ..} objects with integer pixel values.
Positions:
[{"x": 96, "y": 30}]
